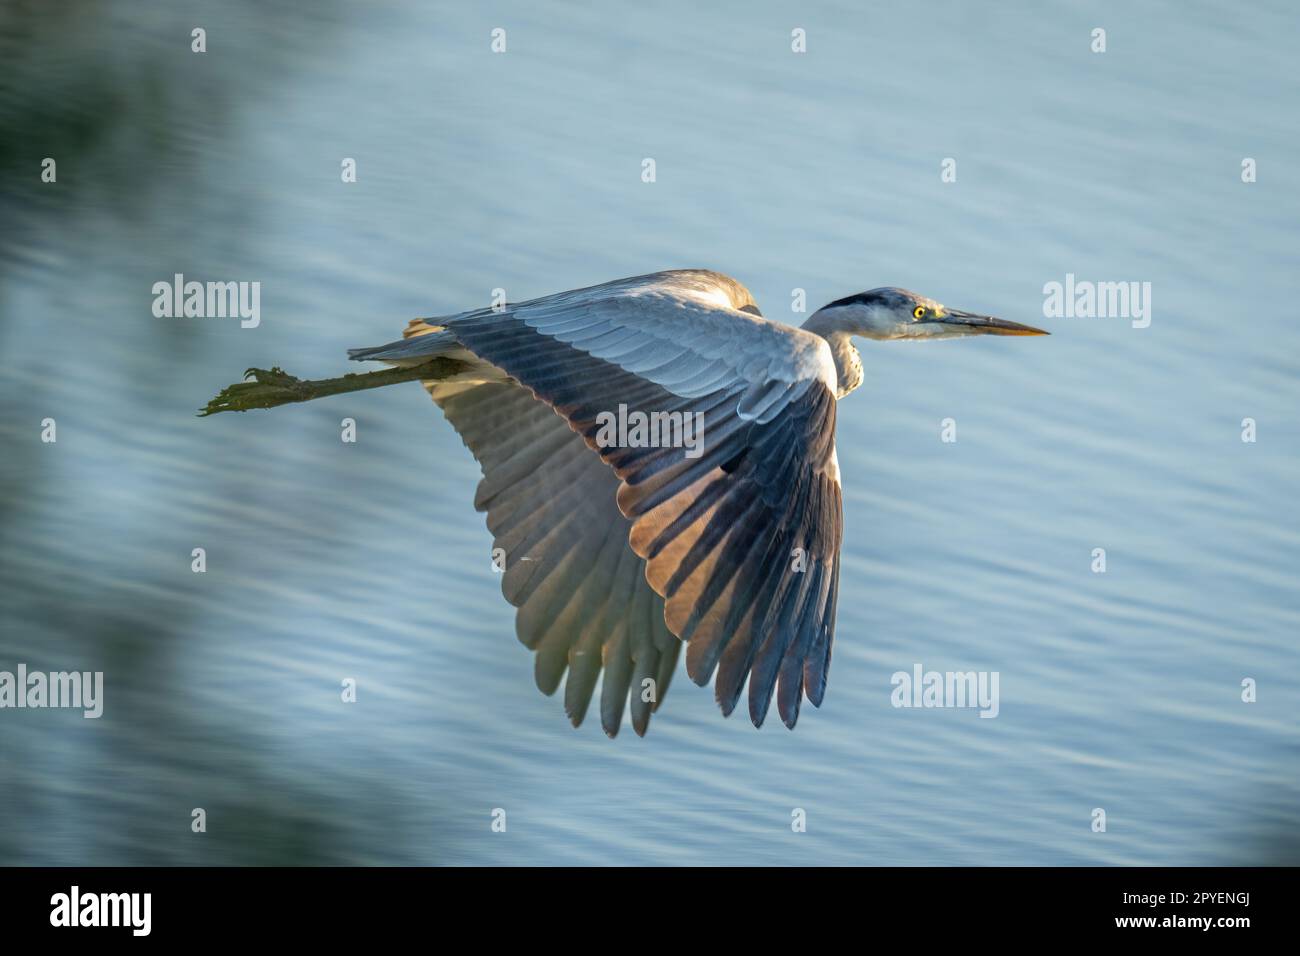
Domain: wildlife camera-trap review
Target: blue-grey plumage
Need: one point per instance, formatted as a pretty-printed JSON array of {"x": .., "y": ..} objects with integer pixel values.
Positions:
[{"x": 616, "y": 551}]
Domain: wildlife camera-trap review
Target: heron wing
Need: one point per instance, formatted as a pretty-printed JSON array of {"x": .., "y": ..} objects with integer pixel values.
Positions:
[
  {"x": 582, "y": 597},
  {"x": 742, "y": 542}
]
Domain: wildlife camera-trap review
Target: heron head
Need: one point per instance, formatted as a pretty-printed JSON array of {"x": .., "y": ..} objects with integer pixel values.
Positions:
[{"x": 901, "y": 314}]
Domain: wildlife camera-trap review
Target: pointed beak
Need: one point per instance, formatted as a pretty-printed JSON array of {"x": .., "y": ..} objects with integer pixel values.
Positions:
[{"x": 968, "y": 323}]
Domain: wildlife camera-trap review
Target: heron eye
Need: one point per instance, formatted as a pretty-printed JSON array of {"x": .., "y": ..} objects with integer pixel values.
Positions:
[{"x": 918, "y": 312}]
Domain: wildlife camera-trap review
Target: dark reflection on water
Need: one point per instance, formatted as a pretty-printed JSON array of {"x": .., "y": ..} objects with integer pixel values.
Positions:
[{"x": 125, "y": 107}]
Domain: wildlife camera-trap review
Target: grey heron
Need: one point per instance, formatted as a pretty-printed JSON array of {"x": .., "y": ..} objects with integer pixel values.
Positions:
[{"x": 617, "y": 553}]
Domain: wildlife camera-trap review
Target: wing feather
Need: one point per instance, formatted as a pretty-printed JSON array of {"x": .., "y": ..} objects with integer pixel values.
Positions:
[
  {"x": 570, "y": 571},
  {"x": 609, "y": 555},
  {"x": 741, "y": 542}
]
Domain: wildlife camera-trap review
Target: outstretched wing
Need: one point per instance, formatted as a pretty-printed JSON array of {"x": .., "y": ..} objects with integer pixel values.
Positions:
[
  {"x": 581, "y": 591},
  {"x": 742, "y": 541}
]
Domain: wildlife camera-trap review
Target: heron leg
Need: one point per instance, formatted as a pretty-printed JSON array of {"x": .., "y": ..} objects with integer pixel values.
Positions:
[{"x": 263, "y": 388}]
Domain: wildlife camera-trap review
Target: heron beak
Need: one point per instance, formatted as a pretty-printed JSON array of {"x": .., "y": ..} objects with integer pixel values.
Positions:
[{"x": 968, "y": 323}]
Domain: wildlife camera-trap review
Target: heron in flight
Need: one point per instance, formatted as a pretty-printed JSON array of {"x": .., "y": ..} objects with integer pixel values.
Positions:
[{"x": 618, "y": 553}]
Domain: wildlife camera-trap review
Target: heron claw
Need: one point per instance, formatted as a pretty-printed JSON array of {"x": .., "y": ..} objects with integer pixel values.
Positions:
[
  {"x": 259, "y": 389},
  {"x": 276, "y": 376}
]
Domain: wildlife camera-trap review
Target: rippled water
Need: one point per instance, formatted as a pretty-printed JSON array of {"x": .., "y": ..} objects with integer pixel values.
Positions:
[{"x": 522, "y": 171}]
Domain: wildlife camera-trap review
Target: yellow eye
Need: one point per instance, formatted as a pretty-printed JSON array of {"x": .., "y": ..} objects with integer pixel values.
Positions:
[{"x": 918, "y": 312}]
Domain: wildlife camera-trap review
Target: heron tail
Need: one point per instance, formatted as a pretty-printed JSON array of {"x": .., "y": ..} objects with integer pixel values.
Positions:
[{"x": 420, "y": 343}]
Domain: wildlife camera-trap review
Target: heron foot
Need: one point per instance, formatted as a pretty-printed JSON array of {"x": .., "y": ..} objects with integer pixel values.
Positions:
[{"x": 267, "y": 389}]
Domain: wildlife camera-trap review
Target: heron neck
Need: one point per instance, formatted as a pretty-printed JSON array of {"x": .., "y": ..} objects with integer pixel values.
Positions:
[{"x": 848, "y": 363}]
